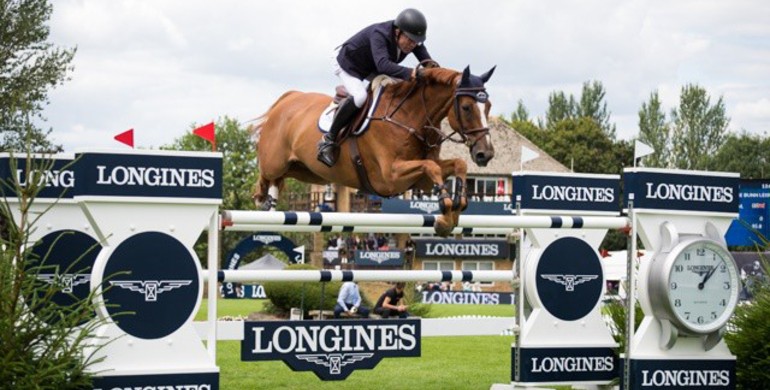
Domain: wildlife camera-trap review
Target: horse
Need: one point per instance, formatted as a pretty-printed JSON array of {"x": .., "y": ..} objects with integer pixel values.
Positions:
[{"x": 399, "y": 151}]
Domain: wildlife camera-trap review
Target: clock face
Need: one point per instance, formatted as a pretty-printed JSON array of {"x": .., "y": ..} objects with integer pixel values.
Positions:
[{"x": 702, "y": 285}]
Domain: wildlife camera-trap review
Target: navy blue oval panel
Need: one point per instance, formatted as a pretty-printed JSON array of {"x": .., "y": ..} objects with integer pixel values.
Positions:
[
  {"x": 569, "y": 278},
  {"x": 151, "y": 285},
  {"x": 63, "y": 260}
]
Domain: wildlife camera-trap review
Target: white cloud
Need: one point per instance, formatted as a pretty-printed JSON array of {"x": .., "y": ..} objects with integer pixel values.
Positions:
[{"x": 159, "y": 66}]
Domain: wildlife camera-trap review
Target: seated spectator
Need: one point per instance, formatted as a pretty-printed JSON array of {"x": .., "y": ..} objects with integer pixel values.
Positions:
[
  {"x": 349, "y": 301},
  {"x": 390, "y": 305}
]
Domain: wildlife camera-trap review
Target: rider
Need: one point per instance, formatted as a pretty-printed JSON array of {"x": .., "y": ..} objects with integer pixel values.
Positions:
[{"x": 377, "y": 49}]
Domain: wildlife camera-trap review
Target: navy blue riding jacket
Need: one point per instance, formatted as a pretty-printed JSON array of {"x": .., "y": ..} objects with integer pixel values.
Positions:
[{"x": 374, "y": 51}]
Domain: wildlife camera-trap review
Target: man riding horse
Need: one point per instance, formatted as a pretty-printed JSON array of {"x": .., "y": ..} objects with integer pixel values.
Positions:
[{"x": 375, "y": 50}]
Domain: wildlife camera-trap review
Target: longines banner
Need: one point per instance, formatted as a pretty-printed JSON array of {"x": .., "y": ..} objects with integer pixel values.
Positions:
[
  {"x": 389, "y": 258},
  {"x": 332, "y": 349},
  {"x": 477, "y": 249},
  {"x": 404, "y": 206},
  {"x": 713, "y": 191},
  {"x": 574, "y": 192},
  {"x": 467, "y": 297}
]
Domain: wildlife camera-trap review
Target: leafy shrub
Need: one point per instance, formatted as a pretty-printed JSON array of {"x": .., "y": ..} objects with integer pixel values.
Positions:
[
  {"x": 43, "y": 344},
  {"x": 748, "y": 336},
  {"x": 286, "y": 295}
]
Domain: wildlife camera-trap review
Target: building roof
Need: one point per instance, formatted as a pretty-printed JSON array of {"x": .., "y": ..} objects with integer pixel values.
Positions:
[{"x": 507, "y": 143}]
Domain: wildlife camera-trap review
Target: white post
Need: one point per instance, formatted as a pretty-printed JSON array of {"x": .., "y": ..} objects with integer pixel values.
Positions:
[{"x": 213, "y": 291}]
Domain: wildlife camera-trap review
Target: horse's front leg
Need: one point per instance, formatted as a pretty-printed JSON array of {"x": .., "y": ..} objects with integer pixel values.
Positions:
[
  {"x": 459, "y": 169},
  {"x": 407, "y": 172}
]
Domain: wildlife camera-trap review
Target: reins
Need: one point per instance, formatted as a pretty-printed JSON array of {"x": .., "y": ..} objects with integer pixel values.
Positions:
[{"x": 464, "y": 134}]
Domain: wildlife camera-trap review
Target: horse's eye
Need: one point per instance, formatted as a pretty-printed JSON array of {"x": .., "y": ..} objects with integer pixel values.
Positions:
[{"x": 467, "y": 108}]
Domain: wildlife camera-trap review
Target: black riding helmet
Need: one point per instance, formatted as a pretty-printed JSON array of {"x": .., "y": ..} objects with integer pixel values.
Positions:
[{"x": 412, "y": 23}]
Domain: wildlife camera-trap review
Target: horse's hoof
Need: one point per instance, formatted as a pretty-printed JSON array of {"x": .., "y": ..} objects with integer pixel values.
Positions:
[{"x": 442, "y": 228}]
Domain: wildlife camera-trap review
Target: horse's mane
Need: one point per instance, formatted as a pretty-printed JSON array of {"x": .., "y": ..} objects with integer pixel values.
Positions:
[{"x": 442, "y": 76}]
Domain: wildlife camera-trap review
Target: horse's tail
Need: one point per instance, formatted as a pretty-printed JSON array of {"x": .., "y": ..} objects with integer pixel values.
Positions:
[{"x": 255, "y": 129}]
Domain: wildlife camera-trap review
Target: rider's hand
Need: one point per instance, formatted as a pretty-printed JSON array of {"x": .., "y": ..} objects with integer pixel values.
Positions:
[
  {"x": 430, "y": 64},
  {"x": 417, "y": 73}
]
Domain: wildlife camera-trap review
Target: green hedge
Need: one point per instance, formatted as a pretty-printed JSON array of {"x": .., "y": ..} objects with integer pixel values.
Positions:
[{"x": 286, "y": 295}]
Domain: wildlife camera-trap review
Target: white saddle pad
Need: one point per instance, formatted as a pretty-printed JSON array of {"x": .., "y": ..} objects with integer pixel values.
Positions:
[{"x": 327, "y": 115}]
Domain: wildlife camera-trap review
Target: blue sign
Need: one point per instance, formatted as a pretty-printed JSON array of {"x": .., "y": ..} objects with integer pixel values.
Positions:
[
  {"x": 56, "y": 175},
  {"x": 551, "y": 365},
  {"x": 569, "y": 278},
  {"x": 389, "y": 258},
  {"x": 661, "y": 190},
  {"x": 467, "y": 249},
  {"x": 63, "y": 260},
  {"x": 467, "y": 298},
  {"x": 678, "y": 374},
  {"x": 148, "y": 175},
  {"x": 753, "y": 214},
  {"x": 574, "y": 192},
  {"x": 404, "y": 206},
  {"x": 151, "y": 285},
  {"x": 331, "y": 349},
  {"x": 196, "y": 381}
]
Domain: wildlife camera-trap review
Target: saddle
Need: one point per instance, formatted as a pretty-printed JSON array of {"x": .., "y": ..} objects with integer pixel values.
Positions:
[{"x": 360, "y": 122}]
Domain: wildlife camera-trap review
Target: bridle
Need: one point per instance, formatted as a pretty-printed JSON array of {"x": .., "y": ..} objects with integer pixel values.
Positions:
[{"x": 469, "y": 137}]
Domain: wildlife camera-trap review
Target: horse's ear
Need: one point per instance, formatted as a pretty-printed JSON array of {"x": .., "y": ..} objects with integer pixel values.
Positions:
[
  {"x": 466, "y": 76},
  {"x": 485, "y": 77}
]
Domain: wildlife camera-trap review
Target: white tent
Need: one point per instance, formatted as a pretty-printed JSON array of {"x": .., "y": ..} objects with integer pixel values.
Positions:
[{"x": 267, "y": 261}]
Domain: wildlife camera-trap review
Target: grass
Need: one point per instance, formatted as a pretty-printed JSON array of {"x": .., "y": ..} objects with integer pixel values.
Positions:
[{"x": 446, "y": 362}]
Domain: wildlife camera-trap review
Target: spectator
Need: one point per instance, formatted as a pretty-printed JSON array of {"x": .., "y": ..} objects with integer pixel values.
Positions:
[
  {"x": 371, "y": 243},
  {"x": 349, "y": 301},
  {"x": 390, "y": 305}
]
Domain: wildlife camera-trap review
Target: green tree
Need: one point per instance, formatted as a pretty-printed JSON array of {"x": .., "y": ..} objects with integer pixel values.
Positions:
[
  {"x": 699, "y": 129},
  {"x": 29, "y": 68},
  {"x": 654, "y": 131},
  {"x": 560, "y": 107},
  {"x": 583, "y": 145},
  {"x": 592, "y": 105},
  {"x": 521, "y": 114},
  {"x": 744, "y": 153}
]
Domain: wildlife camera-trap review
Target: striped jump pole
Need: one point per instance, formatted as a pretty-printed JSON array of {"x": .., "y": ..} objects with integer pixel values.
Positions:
[
  {"x": 352, "y": 220},
  {"x": 362, "y": 229},
  {"x": 254, "y": 276}
]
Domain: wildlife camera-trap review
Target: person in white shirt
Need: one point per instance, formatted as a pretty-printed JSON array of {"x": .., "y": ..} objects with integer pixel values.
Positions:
[{"x": 349, "y": 300}]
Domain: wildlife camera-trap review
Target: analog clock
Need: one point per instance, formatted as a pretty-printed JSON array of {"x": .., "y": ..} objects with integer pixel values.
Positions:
[{"x": 694, "y": 287}]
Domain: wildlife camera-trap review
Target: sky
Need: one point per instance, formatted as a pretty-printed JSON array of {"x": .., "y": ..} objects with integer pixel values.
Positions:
[{"x": 161, "y": 66}]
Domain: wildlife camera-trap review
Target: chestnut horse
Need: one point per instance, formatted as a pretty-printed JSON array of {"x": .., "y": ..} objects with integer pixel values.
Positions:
[{"x": 400, "y": 150}]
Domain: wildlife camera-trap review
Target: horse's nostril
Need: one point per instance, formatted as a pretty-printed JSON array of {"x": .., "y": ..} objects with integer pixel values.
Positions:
[{"x": 480, "y": 156}]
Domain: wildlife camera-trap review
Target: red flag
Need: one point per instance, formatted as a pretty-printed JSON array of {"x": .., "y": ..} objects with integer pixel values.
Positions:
[
  {"x": 126, "y": 137},
  {"x": 207, "y": 132}
]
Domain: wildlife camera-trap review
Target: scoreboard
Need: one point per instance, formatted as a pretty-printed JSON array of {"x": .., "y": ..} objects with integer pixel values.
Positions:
[{"x": 752, "y": 224}]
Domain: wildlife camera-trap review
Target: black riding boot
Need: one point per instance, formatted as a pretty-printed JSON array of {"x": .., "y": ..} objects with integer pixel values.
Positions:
[{"x": 328, "y": 150}]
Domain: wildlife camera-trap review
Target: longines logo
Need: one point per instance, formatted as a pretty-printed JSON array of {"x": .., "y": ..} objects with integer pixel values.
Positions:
[
  {"x": 335, "y": 361},
  {"x": 330, "y": 349},
  {"x": 700, "y": 269},
  {"x": 155, "y": 177},
  {"x": 50, "y": 178},
  {"x": 685, "y": 378},
  {"x": 569, "y": 281},
  {"x": 150, "y": 288},
  {"x": 689, "y": 192},
  {"x": 461, "y": 249},
  {"x": 573, "y": 364},
  {"x": 379, "y": 256},
  {"x": 266, "y": 239},
  {"x": 68, "y": 281},
  {"x": 573, "y": 193},
  {"x": 428, "y": 207},
  {"x": 161, "y": 387}
]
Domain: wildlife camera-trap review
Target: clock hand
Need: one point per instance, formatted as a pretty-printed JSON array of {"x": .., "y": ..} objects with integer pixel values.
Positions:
[{"x": 706, "y": 278}]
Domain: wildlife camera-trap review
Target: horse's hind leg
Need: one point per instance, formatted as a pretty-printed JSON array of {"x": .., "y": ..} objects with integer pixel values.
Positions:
[{"x": 266, "y": 194}]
